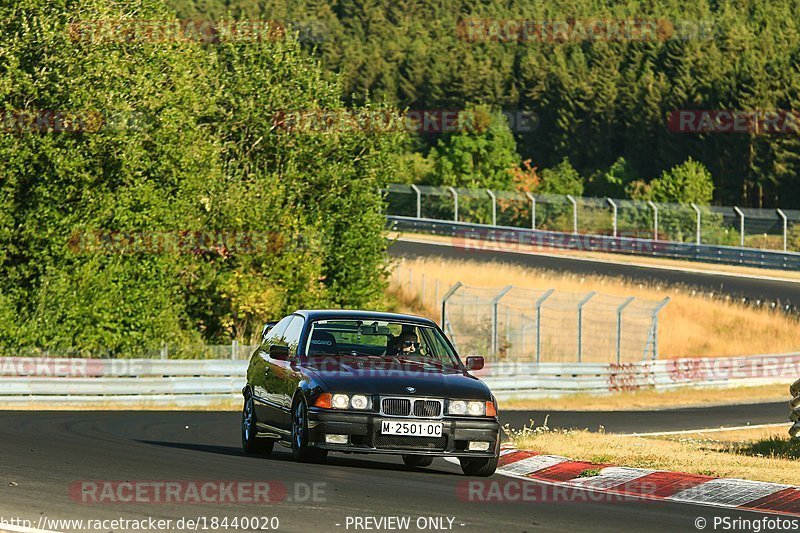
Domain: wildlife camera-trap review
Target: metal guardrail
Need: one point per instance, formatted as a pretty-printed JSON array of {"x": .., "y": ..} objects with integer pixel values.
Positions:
[
  {"x": 132, "y": 382},
  {"x": 215, "y": 380},
  {"x": 511, "y": 238},
  {"x": 530, "y": 380}
]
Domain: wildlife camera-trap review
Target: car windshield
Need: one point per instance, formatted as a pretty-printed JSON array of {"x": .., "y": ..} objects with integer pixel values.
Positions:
[{"x": 381, "y": 340}]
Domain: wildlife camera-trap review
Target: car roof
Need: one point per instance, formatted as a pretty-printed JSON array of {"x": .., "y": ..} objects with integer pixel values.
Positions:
[{"x": 322, "y": 314}]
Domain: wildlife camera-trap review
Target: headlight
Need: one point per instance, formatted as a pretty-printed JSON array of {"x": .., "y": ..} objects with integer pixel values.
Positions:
[
  {"x": 461, "y": 408},
  {"x": 359, "y": 401},
  {"x": 457, "y": 407},
  {"x": 340, "y": 401},
  {"x": 476, "y": 408}
]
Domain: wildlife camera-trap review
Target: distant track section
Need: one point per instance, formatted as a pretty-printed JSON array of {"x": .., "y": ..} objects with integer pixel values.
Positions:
[
  {"x": 736, "y": 285},
  {"x": 702, "y": 253}
]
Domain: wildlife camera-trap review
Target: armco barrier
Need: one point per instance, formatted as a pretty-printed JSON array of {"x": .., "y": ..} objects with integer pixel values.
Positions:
[
  {"x": 64, "y": 382},
  {"x": 188, "y": 382},
  {"x": 530, "y": 380},
  {"x": 468, "y": 236}
]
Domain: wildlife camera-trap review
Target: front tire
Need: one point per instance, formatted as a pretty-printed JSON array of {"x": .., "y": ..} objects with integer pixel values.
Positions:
[
  {"x": 301, "y": 451},
  {"x": 251, "y": 444},
  {"x": 417, "y": 461},
  {"x": 481, "y": 467}
]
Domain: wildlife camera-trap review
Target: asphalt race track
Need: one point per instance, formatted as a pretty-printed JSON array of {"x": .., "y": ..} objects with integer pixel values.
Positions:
[
  {"x": 653, "y": 421},
  {"x": 44, "y": 455},
  {"x": 738, "y": 286}
]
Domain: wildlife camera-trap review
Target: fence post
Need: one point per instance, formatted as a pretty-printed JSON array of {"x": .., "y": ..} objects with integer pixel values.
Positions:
[
  {"x": 580, "y": 323},
  {"x": 164, "y": 351},
  {"x": 785, "y": 227},
  {"x": 532, "y": 198},
  {"x": 574, "y": 214},
  {"x": 234, "y": 348},
  {"x": 614, "y": 207},
  {"x": 454, "y": 192},
  {"x": 419, "y": 200},
  {"x": 658, "y": 308},
  {"x": 741, "y": 225},
  {"x": 655, "y": 219},
  {"x": 697, "y": 210},
  {"x": 539, "y": 303},
  {"x": 446, "y": 297},
  {"x": 494, "y": 206},
  {"x": 619, "y": 326},
  {"x": 495, "y": 302}
]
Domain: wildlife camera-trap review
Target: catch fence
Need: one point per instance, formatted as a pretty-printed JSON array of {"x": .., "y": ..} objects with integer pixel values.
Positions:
[{"x": 538, "y": 325}]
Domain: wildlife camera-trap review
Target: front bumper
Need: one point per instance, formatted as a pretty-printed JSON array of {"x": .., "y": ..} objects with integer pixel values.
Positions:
[{"x": 363, "y": 430}]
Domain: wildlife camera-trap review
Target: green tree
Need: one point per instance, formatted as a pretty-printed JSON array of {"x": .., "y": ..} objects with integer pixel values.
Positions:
[
  {"x": 561, "y": 179},
  {"x": 479, "y": 156},
  {"x": 614, "y": 181},
  {"x": 689, "y": 182}
]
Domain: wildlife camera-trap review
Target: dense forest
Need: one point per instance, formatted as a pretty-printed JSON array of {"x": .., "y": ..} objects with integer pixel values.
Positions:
[
  {"x": 162, "y": 190},
  {"x": 146, "y": 198},
  {"x": 594, "y": 100}
]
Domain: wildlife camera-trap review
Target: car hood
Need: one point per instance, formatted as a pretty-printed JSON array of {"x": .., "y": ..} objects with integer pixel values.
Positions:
[{"x": 351, "y": 377}]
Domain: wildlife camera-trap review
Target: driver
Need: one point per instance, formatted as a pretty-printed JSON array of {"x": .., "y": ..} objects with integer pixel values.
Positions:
[{"x": 408, "y": 343}]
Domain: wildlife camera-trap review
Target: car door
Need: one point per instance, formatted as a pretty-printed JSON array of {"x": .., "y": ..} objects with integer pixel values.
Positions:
[
  {"x": 264, "y": 380},
  {"x": 287, "y": 373}
]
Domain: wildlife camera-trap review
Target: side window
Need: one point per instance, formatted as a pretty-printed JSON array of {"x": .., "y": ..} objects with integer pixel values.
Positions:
[
  {"x": 276, "y": 333},
  {"x": 291, "y": 337}
]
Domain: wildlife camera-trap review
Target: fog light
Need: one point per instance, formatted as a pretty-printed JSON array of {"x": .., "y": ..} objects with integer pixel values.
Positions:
[
  {"x": 340, "y": 439},
  {"x": 477, "y": 446}
]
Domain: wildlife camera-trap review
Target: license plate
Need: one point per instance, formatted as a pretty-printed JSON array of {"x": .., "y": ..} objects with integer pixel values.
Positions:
[{"x": 412, "y": 429}]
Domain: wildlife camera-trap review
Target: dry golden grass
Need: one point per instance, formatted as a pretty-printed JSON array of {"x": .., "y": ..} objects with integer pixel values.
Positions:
[
  {"x": 692, "y": 325},
  {"x": 651, "y": 399},
  {"x": 771, "y": 458}
]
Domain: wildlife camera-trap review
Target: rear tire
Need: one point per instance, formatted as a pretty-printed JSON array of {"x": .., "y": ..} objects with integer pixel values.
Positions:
[
  {"x": 251, "y": 444},
  {"x": 301, "y": 451},
  {"x": 417, "y": 461}
]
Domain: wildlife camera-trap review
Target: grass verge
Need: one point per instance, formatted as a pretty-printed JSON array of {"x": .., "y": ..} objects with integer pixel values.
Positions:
[
  {"x": 650, "y": 399},
  {"x": 766, "y": 455}
]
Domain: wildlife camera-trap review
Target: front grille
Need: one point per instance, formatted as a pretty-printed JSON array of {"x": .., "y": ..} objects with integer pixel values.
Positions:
[
  {"x": 412, "y": 407},
  {"x": 427, "y": 408},
  {"x": 396, "y": 406},
  {"x": 402, "y": 442}
]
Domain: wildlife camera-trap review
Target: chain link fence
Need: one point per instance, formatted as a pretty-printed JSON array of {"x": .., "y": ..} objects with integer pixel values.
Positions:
[
  {"x": 537, "y": 325},
  {"x": 767, "y": 229}
]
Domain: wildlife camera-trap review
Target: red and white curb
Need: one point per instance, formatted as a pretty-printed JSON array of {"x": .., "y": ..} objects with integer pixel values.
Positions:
[{"x": 640, "y": 483}]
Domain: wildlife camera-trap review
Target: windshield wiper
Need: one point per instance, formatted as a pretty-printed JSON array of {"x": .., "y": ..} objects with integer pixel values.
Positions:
[{"x": 422, "y": 361}]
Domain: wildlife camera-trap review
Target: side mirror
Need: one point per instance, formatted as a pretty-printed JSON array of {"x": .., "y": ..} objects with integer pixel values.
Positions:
[
  {"x": 279, "y": 353},
  {"x": 474, "y": 362}
]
